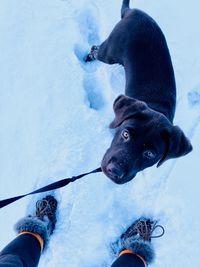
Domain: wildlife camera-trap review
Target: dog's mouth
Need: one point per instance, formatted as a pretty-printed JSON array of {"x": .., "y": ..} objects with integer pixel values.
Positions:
[
  {"x": 116, "y": 179},
  {"x": 116, "y": 173}
]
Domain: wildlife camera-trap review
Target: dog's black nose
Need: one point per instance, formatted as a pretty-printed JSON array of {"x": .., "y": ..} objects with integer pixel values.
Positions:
[{"x": 114, "y": 171}]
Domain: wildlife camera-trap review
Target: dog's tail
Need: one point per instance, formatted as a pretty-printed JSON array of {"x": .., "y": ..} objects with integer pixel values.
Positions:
[{"x": 125, "y": 7}]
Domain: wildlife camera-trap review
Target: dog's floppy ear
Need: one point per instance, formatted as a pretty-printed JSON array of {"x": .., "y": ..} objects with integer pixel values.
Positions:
[
  {"x": 177, "y": 144},
  {"x": 126, "y": 107}
]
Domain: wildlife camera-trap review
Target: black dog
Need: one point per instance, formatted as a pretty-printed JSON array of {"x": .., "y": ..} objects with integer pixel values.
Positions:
[{"x": 143, "y": 120}]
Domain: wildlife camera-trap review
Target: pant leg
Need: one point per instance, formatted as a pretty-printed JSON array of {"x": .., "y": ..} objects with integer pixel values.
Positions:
[
  {"x": 23, "y": 251},
  {"x": 128, "y": 260}
]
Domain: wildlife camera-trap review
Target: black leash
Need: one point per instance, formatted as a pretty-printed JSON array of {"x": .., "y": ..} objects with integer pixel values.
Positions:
[{"x": 47, "y": 188}]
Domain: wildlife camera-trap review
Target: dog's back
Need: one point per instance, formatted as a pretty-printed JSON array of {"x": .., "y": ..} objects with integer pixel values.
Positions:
[{"x": 138, "y": 43}]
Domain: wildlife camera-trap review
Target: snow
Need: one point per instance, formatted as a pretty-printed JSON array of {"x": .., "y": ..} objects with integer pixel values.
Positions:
[{"x": 55, "y": 112}]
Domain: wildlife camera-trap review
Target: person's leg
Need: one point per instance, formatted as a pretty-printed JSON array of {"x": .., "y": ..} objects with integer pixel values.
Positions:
[
  {"x": 134, "y": 248},
  {"x": 25, "y": 250},
  {"x": 33, "y": 235},
  {"x": 129, "y": 260}
]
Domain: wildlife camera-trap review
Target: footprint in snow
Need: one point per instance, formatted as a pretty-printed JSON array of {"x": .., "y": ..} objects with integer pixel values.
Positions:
[
  {"x": 194, "y": 102},
  {"x": 88, "y": 26},
  {"x": 194, "y": 97},
  {"x": 93, "y": 90}
]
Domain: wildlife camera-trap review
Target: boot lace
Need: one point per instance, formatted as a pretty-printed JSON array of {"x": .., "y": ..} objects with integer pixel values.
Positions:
[
  {"x": 144, "y": 228},
  {"x": 46, "y": 207}
]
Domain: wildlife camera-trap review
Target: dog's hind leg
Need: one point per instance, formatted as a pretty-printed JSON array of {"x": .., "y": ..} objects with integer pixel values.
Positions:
[
  {"x": 105, "y": 52},
  {"x": 102, "y": 53},
  {"x": 125, "y": 8}
]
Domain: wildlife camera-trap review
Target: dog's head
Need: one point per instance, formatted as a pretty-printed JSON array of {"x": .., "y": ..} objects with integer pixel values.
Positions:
[{"x": 143, "y": 137}]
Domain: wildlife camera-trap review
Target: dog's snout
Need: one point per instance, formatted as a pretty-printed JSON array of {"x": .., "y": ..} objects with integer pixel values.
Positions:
[{"x": 115, "y": 171}]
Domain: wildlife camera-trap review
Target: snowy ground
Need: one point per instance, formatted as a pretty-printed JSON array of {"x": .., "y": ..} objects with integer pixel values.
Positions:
[{"x": 55, "y": 112}]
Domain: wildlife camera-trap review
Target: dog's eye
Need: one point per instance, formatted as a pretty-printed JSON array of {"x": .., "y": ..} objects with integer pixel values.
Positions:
[
  {"x": 150, "y": 154},
  {"x": 125, "y": 135}
]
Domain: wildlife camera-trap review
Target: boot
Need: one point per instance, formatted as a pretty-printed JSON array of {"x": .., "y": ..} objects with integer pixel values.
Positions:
[
  {"x": 137, "y": 239},
  {"x": 42, "y": 222}
]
